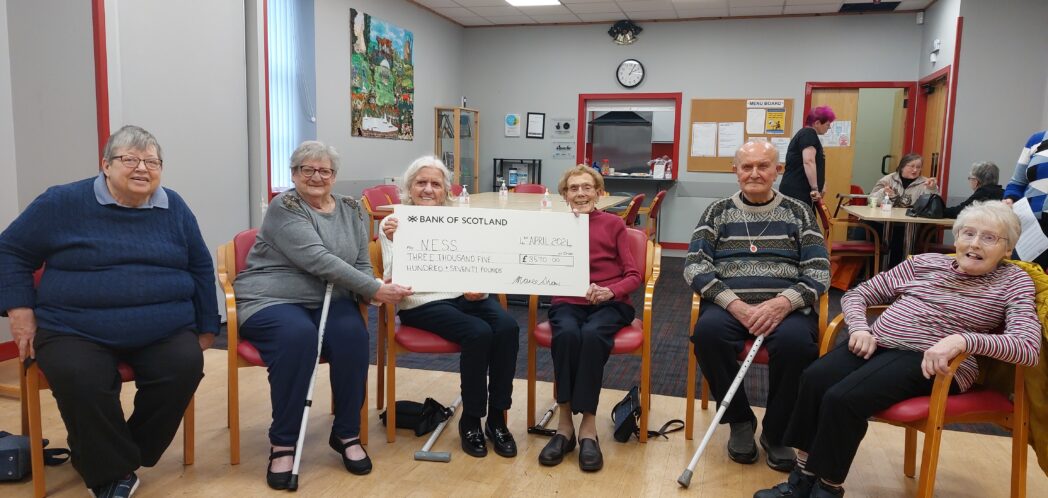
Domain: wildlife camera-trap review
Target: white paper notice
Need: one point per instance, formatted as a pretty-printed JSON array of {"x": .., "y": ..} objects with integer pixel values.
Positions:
[
  {"x": 1032, "y": 241},
  {"x": 729, "y": 138},
  {"x": 755, "y": 121},
  {"x": 781, "y": 144},
  {"x": 704, "y": 139},
  {"x": 461, "y": 249}
]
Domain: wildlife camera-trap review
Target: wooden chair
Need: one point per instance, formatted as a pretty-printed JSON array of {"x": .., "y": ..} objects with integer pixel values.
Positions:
[
  {"x": 530, "y": 188},
  {"x": 629, "y": 215},
  {"x": 372, "y": 198},
  {"x": 35, "y": 382},
  {"x": 634, "y": 339},
  {"x": 232, "y": 259},
  {"x": 858, "y": 248},
  {"x": 9, "y": 351},
  {"x": 762, "y": 358},
  {"x": 652, "y": 212},
  {"x": 928, "y": 414}
]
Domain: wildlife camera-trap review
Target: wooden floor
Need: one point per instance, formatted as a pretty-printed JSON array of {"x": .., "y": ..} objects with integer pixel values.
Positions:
[{"x": 971, "y": 465}]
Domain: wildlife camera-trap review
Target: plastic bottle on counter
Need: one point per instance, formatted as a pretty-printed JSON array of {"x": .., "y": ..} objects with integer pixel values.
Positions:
[
  {"x": 503, "y": 191},
  {"x": 463, "y": 198},
  {"x": 605, "y": 167},
  {"x": 547, "y": 201},
  {"x": 886, "y": 204}
]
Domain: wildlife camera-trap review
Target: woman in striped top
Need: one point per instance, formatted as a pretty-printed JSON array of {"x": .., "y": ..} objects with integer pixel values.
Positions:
[{"x": 941, "y": 306}]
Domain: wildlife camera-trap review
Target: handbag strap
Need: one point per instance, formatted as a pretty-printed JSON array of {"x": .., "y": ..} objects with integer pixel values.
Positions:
[{"x": 667, "y": 428}]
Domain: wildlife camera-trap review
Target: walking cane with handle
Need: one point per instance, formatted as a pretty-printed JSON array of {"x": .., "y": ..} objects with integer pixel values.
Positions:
[
  {"x": 293, "y": 482},
  {"x": 685, "y": 478}
]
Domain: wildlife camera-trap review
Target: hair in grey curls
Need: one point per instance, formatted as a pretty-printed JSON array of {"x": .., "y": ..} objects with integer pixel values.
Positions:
[
  {"x": 131, "y": 137},
  {"x": 314, "y": 150},
  {"x": 412, "y": 172},
  {"x": 985, "y": 173}
]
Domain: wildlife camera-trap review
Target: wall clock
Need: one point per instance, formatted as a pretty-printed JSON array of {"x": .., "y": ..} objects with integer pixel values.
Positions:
[{"x": 630, "y": 73}]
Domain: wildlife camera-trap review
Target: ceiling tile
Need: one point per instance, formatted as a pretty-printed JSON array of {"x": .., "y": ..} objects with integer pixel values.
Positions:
[
  {"x": 653, "y": 14},
  {"x": 686, "y": 12},
  {"x": 495, "y": 11},
  {"x": 600, "y": 16},
  {"x": 473, "y": 21},
  {"x": 545, "y": 10},
  {"x": 520, "y": 19},
  {"x": 436, "y": 3},
  {"x": 813, "y": 9},
  {"x": 482, "y": 3},
  {"x": 733, "y": 4},
  {"x": 593, "y": 7},
  {"x": 756, "y": 11},
  {"x": 628, "y": 5},
  {"x": 556, "y": 18},
  {"x": 454, "y": 11}
]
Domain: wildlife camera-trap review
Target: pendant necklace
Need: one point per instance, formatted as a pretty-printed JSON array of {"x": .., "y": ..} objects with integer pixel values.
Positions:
[{"x": 753, "y": 246}]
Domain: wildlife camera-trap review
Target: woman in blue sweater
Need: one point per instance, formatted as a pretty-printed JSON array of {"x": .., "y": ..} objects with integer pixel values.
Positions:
[{"x": 127, "y": 279}]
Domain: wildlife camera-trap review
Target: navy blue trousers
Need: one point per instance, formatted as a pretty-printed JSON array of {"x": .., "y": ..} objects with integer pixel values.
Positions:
[
  {"x": 286, "y": 336},
  {"x": 489, "y": 339},
  {"x": 583, "y": 336},
  {"x": 719, "y": 338}
]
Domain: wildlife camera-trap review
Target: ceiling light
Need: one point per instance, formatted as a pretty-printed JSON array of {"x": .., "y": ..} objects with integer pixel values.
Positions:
[{"x": 532, "y": 3}]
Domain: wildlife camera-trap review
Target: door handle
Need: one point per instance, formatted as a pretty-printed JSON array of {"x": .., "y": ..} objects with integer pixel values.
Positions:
[
  {"x": 884, "y": 163},
  {"x": 935, "y": 164}
]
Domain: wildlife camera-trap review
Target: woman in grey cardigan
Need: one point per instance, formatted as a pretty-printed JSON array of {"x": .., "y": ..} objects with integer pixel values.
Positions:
[{"x": 309, "y": 237}]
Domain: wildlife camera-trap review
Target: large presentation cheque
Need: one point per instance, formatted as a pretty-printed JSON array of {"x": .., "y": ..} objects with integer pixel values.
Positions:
[{"x": 452, "y": 249}]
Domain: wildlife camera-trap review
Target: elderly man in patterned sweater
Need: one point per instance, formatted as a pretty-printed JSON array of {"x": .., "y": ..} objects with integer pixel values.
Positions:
[{"x": 759, "y": 262}]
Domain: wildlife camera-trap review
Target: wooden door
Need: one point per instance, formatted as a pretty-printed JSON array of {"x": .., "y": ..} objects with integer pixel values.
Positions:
[
  {"x": 839, "y": 159},
  {"x": 935, "y": 94}
]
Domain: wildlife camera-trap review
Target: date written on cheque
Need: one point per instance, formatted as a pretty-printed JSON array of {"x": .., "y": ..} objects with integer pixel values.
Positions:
[{"x": 547, "y": 259}]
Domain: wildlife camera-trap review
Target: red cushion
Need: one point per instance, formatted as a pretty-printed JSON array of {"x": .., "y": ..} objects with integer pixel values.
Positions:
[
  {"x": 126, "y": 374},
  {"x": 627, "y": 340},
  {"x": 975, "y": 401},
  {"x": 250, "y": 354},
  {"x": 242, "y": 244},
  {"x": 762, "y": 355},
  {"x": 423, "y": 341},
  {"x": 853, "y": 246}
]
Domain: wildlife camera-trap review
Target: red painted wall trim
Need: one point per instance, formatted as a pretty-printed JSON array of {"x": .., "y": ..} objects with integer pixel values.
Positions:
[
  {"x": 580, "y": 135},
  {"x": 265, "y": 48},
  {"x": 947, "y": 151},
  {"x": 683, "y": 246},
  {"x": 922, "y": 118},
  {"x": 911, "y": 96},
  {"x": 98, "y": 27}
]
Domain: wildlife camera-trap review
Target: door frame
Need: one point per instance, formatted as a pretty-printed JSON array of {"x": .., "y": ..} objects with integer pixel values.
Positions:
[
  {"x": 950, "y": 73},
  {"x": 584, "y": 98},
  {"x": 911, "y": 86}
]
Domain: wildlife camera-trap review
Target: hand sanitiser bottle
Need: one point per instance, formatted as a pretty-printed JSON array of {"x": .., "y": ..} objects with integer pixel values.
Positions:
[
  {"x": 547, "y": 202},
  {"x": 503, "y": 191},
  {"x": 464, "y": 197}
]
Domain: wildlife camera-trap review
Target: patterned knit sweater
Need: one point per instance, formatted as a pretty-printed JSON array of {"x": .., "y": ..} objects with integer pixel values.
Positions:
[
  {"x": 1031, "y": 166},
  {"x": 932, "y": 299},
  {"x": 790, "y": 258}
]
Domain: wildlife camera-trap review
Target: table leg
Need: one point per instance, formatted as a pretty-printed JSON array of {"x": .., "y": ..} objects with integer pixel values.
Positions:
[{"x": 908, "y": 240}]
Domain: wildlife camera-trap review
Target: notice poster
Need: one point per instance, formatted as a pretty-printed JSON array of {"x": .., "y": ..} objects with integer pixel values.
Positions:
[
  {"x": 775, "y": 122},
  {"x": 704, "y": 139},
  {"x": 730, "y": 137}
]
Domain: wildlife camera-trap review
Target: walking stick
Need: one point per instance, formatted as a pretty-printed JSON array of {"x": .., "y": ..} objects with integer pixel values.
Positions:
[
  {"x": 685, "y": 478},
  {"x": 293, "y": 482}
]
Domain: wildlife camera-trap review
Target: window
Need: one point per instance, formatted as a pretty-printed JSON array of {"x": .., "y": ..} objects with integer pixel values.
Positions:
[{"x": 292, "y": 84}]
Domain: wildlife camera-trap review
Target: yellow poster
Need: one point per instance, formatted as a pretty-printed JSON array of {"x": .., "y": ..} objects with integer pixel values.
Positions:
[{"x": 776, "y": 122}]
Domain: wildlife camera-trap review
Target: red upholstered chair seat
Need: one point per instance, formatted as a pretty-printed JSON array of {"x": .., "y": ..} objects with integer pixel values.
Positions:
[
  {"x": 974, "y": 401},
  {"x": 250, "y": 354},
  {"x": 422, "y": 341},
  {"x": 853, "y": 246},
  {"x": 762, "y": 355},
  {"x": 627, "y": 339}
]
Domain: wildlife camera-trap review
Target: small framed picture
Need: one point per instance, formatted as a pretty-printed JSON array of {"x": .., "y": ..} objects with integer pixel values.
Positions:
[{"x": 536, "y": 125}]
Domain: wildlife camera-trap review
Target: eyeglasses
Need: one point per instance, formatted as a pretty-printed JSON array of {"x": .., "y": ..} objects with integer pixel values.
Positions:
[
  {"x": 309, "y": 171},
  {"x": 972, "y": 178},
  {"x": 969, "y": 234},
  {"x": 132, "y": 162},
  {"x": 587, "y": 188}
]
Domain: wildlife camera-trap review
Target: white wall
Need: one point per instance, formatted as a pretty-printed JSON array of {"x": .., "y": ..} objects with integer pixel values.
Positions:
[
  {"x": 437, "y": 56},
  {"x": 543, "y": 69},
  {"x": 8, "y": 170},
  {"x": 1000, "y": 85},
  {"x": 940, "y": 22}
]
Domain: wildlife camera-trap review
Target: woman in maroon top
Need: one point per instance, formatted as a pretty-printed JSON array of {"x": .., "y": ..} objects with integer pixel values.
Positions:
[{"x": 584, "y": 327}]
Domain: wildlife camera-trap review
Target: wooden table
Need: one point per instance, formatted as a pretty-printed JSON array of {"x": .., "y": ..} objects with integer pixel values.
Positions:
[
  {"x": 897, "y": 215},
  {"x": 526, "y": 202}
]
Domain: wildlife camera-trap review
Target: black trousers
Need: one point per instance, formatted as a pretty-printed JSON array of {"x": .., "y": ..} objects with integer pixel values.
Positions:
[
  {"x": 583, "y": 336},
  {"x": 718, "y": 340},
  {"x": 489, "y": 338},
  {"x": 85, "y": 383},
  {"x": 838, "y": 393}
]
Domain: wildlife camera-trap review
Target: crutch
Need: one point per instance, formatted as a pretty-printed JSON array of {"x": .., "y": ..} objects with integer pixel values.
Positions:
[
  {"x": 292, "y": 484},
  {"x": 437, "y": 456},
  {"x": 540, "y": 428},
  {"x": 685, "y": 478}
]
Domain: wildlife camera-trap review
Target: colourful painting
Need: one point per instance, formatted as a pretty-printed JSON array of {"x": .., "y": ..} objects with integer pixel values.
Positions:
[{"x": 382, "y": 84}]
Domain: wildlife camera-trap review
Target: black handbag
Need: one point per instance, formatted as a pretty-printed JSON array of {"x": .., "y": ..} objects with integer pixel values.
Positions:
[
  {"x": 626, "y": 418},
  {"x": 422, "y": 418},
  {"x": 928, "y": 206},
  {"x": 15, "y": 460}
]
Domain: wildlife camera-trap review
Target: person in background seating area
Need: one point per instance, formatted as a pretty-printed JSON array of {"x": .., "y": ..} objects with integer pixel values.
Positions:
[
  {"x": 983, "y": 181},
  {"x": 805, "y": 176}
]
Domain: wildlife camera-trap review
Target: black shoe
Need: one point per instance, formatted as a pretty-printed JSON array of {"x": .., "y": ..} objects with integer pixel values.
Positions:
[
  {"x": 798, "y": 485},
  {"x": 779, "y": 457},
  {"x": 821, "y": 490},
  {"x": 121, "y": 488},
  {"x": 473, "y": 440},
  {"x": 554, "y": 451},
  {"x": 355, "y": 467},
  {"x": 278, "y": 480},
  {"x": 501, "y": 440},
  {"x": 590, "y": 458},
  {"x": 741, "y": 447}
]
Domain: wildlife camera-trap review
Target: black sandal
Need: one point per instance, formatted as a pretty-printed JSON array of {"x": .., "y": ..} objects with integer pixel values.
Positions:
[
  {"x": 278, "y": 480},
  {"x": 355, "y": 467}
]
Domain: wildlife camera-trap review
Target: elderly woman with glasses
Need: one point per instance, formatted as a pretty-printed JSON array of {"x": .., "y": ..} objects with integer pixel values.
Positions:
[
  {"x": 941, "y": 306},
  {"x": 487, "y": 334},
  {"x": 983, "y": 181},
  {"x": 308, "y": 238},
  {"x": 127, "y": 278}
]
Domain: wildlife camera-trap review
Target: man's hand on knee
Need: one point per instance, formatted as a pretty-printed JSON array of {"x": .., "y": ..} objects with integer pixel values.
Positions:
[{"x": 768, "y": 315}]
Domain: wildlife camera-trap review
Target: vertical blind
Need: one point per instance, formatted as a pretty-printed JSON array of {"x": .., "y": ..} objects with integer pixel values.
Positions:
[{"x": 291, "y": 86}]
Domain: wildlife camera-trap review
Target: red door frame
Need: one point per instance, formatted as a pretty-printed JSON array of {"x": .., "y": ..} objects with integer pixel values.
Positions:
[
  {"x": 950, "y": 73},
  {"x": 580, "y": 136},
  {"x": 98, "y": 31}
]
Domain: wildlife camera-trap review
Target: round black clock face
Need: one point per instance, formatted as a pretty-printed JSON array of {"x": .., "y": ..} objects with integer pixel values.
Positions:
[{"x": 630, "y": 73}]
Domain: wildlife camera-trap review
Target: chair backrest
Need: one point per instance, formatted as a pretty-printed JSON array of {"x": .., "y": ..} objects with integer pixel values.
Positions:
[
  {"x": 857, "y": 189},
  {"x": 656, "y": 204},
  {"x": 633, "y": 209},
  {"x": 824, "y": 218},
  {"x": 375, "y": 251},
  {"x": 641, "y": 248},
  {"x": 242, "y": 244},
  {"x": 380, "y": 195},
  {"x": 530, "y": 188},
  {"x": 456, "y": 189}
]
